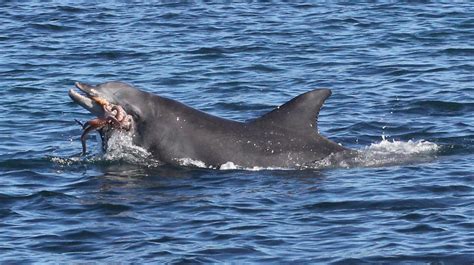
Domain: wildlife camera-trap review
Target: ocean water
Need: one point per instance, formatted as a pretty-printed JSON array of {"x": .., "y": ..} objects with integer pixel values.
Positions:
[{"x": 403, "y": 95}]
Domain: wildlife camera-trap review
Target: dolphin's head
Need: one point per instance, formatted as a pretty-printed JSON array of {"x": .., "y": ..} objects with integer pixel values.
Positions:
[
  {"x": 115, "y": 104},
  {"x": 116, "y": 93}
]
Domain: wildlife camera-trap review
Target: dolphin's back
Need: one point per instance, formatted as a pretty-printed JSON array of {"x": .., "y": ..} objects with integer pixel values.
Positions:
[{"x": 285, "y": 136}]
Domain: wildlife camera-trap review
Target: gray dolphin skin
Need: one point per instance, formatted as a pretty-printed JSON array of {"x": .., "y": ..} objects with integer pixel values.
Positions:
[{"x": 284, "y": 137}]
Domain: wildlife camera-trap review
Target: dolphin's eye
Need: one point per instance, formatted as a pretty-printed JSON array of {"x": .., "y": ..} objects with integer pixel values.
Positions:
[
  {"x": 133, "y": 111},
  {"x": 134, "y": 114}
]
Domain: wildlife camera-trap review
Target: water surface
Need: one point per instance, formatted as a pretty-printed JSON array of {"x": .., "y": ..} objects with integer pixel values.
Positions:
[{"x": 398, "y": 72}]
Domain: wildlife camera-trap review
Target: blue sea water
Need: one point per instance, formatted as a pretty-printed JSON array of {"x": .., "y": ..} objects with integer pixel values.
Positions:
[{"x": 403, "y": 94}]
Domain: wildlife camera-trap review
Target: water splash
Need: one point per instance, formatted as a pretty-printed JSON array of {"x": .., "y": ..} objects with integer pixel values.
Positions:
[
  {"x": 394, "y": 152},
  {"x": 192, "y": 162},
  {"x": 65, "y": 161},
  {"x": 384, "y": 153},
  {"x": 399, "y": 147},
  {"x": 388, "y": 153},
  {"x": 120, "y": 147},
  {"x": 232, "y": 166}
]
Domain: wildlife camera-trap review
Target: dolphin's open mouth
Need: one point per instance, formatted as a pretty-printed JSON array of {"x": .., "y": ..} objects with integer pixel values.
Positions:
[
  {"x": 108, "y": 115},
  {"x": 87, "y": 101}
]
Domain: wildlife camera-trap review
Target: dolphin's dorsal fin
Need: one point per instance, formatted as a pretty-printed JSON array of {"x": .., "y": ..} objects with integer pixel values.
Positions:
[{"x": 300, "y": 113}]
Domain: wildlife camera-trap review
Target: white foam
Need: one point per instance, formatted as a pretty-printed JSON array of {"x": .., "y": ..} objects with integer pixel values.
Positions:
[
  {"x": 191, "y": 162},
  {"x": 232, "y": 166},
  {"x": 384, "y": 153},
  {"x": 66, "y": 161},
  {"x": 228, "y": 166},
  {"x": 398, "y": 147},
  {"x": 120, "y": 147}
]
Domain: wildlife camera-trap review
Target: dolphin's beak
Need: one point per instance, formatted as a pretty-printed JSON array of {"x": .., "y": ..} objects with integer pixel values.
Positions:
[
  {"x": 88, "y": 89},
  {"x": 86, "y": 101}
]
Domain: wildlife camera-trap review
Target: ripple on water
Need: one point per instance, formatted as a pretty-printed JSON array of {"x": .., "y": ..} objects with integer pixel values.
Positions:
[{"x": 402, "y": 97}]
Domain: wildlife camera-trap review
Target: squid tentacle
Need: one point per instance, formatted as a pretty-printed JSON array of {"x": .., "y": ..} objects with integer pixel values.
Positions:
[
  {"x": 94, "y": 124},
  {"x": 114, "y": 115}
]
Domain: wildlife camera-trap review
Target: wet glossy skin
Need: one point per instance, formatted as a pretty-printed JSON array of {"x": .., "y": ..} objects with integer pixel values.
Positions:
[{"x": 284, "y": 137}]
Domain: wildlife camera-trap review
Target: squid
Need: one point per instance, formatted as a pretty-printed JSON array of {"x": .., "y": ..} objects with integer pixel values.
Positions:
[{"x": 114, "y": 115}]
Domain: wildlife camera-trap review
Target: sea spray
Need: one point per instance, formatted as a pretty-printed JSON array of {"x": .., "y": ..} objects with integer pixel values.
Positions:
[{"x": 120, "y": 146}]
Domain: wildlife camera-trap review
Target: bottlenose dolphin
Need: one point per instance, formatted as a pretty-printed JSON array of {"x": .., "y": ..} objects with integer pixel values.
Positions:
[{"x": 171, "y": 131}]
